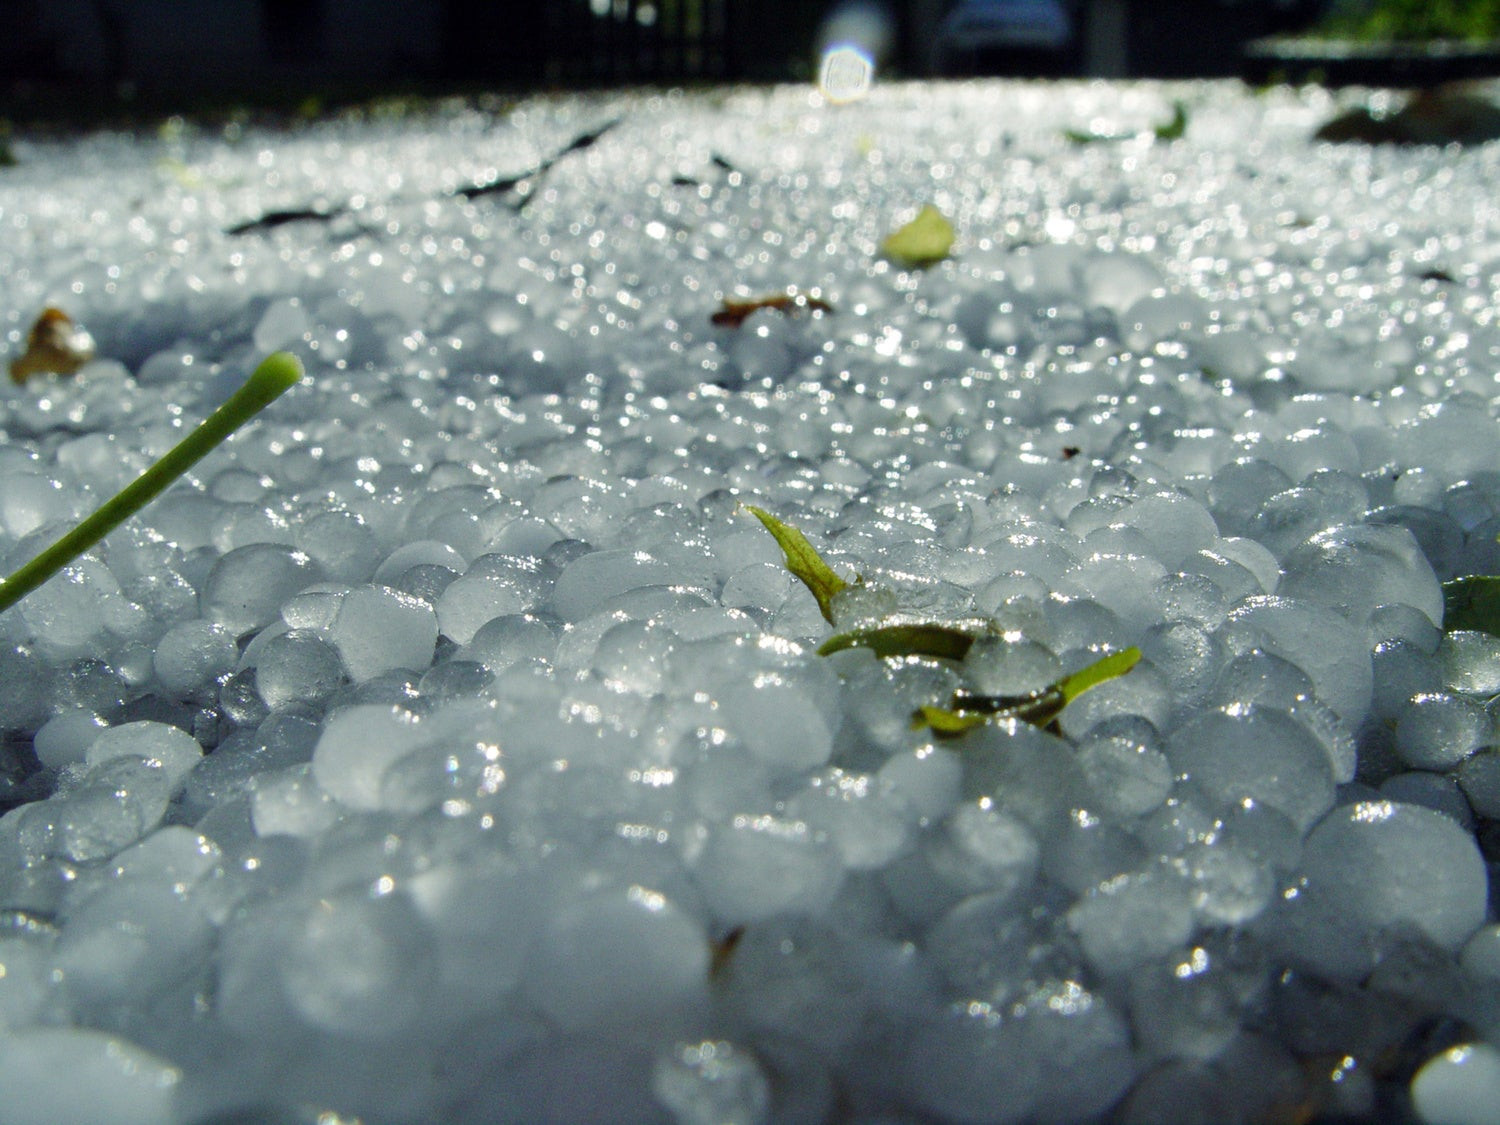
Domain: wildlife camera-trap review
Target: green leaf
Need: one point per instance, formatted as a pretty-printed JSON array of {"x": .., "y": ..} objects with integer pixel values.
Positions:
[
  {"x": 1176, "y": 128},
  {"x": 926, "y": 638},
  {"x": 921, "y": 242},
  {"x": 1472, "y": 602},
  {"x": 1171, "y": 130},
  {"x": 1039, "y": 708},
  {"x": 803, "y": 561}
]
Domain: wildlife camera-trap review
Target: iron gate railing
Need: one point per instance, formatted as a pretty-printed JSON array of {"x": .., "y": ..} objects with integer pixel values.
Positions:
[{"x": 606, "y": 42}]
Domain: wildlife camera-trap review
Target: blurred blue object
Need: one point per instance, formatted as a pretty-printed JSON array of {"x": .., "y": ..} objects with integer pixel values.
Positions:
[{"x": 977, "y": 26}]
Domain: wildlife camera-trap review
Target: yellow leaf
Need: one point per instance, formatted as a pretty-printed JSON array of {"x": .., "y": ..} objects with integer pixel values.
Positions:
[{"x": 921, "y": 242}]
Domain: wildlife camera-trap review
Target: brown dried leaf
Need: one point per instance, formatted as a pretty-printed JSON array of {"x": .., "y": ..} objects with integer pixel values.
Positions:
[{"x": 55, "y": 345}]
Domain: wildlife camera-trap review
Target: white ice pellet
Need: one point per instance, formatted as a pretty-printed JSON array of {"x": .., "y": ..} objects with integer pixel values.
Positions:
[
  {"x": 619, "y": 953},
  {"x": 281, "y": 326},
  {"x": 1333, "y": 654},
  {"x": 927, "y": 779},
  {"x": 422, "y": 552},
  {"x": 248, "y": 585},
  {"x": 1481, "y": 953},
  {"x": 342, "y": 544},
  {"x": 176, "y": 751},
  {"x": 290, "y": 803},
  {"x": 507, "y": 640},
  {"x": 296, "y": 667},
  {"x": 1127, "y": 775},
  {"x": 861, "y": 814},
  {"x": 1437, "y": 791},
  {"x": 64, "y": 738},
  {"x": 129, "y": 941},
  {"x": 356, "y": 747},
  {"x": 25, "y": 981},
  {"x": 591, "y": 580},
  {"x": 787, "y": 720},
  {"x": 1373, "y": 867},
  {"x": 1117, "y": 281},
  {"x": 972, "y": 1063},
  {"x": 1459, "y": 1086},
  {"x": 1175, "y": 525},
  {"x": 472, "y": 601},
  {"x": 1436, "y": 731},
  {"x": 1132, "y": 918},
  {"x": 1470, "y": 662},
  {"x": 358, "y": 963},
  {"x": 711, "y": 1082},
  {"x": 1260, "y": 753},
  {"x": 378, "y": 629},
  {"x": 83, "y": 1076},
  {"x": 1479, "y": 776},
  {"x": 1353, "y": 569},
  {"x": 754, "y": 867},
  {"x": 192, "y": 654}
]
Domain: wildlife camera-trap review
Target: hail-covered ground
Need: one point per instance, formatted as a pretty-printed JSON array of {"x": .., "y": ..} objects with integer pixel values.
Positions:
[{"x": 452, "y": 746}]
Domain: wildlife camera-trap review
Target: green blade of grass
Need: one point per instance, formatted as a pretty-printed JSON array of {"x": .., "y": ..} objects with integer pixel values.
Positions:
[
  {"x": 925, "y": 638},
  {"x": 1114, "y": 665},
  {"x": 803, "y": 561},
  {"x": 276, "y": 374}
]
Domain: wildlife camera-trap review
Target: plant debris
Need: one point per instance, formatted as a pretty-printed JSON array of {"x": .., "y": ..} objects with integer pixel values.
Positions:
[
  {"x": 54, "y": 346},
  {"x": 720, "y": 952},
  {"x": 732, "y": 313},
  {"x": 1443, "y": 116},
  {"x": 524, "y": 183},
  {"x": 273, "y": 219},
  {"x": 923, "y": 638},
  {"x": 936, "y": 640},
  {"x": 1040, "y": 708},
  {"x": 803, "y": 561},
  {"x": 1472, "y": 602},
  {"x": 924, "y": 241},
  {"x": 1175, "y": 128}
]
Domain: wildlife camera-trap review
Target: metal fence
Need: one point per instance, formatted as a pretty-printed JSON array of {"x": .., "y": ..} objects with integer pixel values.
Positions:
[{"x": 608, "y": 42}]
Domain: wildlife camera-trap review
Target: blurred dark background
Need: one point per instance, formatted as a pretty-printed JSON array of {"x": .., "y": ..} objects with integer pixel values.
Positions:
[{"x": 159, "y": 50}]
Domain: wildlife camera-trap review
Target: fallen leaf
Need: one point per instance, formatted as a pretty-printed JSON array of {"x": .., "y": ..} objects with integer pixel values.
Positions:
[
  {"x": 55, "y": 345},
  {"x": 921, "y": 242}
]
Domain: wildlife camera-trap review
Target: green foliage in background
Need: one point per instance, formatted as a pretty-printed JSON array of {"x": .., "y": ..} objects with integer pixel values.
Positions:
[{"x": 1403, "y": 21}]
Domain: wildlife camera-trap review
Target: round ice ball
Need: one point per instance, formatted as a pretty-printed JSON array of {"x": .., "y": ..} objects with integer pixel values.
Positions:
[
  {"x": 297, "y": 666},
  {"x": 1355, "y": 568},
  {"x": 1261, "y": 753},
  {"x": 247, "y": 587},
  {"x": 973, "y": 1065},
  {"x": 1374, "y": 869},
  {"x": 1459, "y": 1087},
  {"x": 173, "y": 748},
  {"x": 191, "y": 654},
  {"x": 711, "y": 1082},
  {"x": 82, "y": 1076},
  {"x": 359, "y": 964},
  {"x": 378, "y": 629},
  {"x": 617, "y": 953},
  {"x": 1435, "y": 731},
  {"x": 1333, "y": 653}
]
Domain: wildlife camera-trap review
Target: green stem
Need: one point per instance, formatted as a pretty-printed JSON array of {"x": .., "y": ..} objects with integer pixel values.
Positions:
[{"x": 276, "y": 374}]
